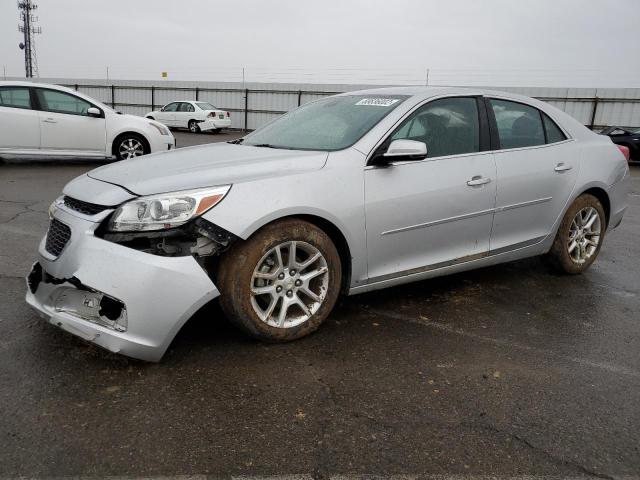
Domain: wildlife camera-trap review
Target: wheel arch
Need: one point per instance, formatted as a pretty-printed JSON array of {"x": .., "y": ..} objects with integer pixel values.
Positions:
[
  {"x": 602, "y": 195},
  {"x": 335, "y": 234},
  {"x": 598, "y": 190},
  {"x": 142, "y": 136}
]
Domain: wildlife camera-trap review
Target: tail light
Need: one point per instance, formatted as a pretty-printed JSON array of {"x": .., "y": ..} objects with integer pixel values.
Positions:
[
  {"x": 625, "y": 151},
  {"x": 228, "y": 115},
  {"x": 212, "y": 114}
]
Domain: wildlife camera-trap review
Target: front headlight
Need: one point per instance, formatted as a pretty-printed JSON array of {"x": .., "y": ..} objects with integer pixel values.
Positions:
[
  {"x": 161, "y": 128},
  {"x": 167, "y": 210}
]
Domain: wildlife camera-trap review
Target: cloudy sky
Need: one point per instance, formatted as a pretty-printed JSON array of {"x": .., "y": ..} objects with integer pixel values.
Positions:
[{"x": 581, "y": 43}]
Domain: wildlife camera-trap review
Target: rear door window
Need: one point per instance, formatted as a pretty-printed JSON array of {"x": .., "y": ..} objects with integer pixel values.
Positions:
[
  {"x": 15, "y": 97},
  {"x": 519, "y": 125}
]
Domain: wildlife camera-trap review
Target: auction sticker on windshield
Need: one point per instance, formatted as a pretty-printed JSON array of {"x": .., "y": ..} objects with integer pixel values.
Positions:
[{"x": 378, "y": 102}]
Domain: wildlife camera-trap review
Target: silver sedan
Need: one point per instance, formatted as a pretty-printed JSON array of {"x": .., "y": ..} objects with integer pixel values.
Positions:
[{"x": 344, "y": 195}]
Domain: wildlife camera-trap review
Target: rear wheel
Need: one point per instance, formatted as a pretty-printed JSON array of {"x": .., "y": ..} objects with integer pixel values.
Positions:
[
  {"x": 579, "y": 236},
  {"x": 193, "y": 126},
  {"x": 282, "y": 283}
]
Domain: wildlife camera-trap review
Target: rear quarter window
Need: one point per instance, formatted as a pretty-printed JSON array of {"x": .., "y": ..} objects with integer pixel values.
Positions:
[{"x": 554, "y": 134}]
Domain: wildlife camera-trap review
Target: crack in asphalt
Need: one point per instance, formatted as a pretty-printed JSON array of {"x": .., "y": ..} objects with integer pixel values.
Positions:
[
  {"x": 559, "y": 460},
  {"x": 612, "y": 368},
  {"x": 28, "y": 208}
]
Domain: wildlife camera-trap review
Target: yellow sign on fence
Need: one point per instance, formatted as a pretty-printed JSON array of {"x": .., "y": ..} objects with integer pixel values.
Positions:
[{"x": 164, "y": 75}]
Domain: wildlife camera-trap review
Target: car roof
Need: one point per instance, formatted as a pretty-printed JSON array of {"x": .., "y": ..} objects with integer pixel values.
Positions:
[
  {"x": 23, "y": 83},
  {"x": 424, "y": 92}
]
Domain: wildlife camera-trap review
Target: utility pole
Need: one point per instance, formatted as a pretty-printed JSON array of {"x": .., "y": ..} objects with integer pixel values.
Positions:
[{"x": 28, "y": 29}]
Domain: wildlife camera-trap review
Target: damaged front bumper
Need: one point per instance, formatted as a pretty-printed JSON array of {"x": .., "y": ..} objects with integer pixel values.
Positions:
[{"x": 119, "y": 298}]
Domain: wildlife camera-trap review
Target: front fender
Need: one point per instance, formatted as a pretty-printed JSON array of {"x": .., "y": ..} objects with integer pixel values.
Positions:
[{"x": 333, "y": 193}]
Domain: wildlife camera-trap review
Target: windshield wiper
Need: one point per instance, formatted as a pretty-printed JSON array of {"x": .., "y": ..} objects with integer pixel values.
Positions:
[
  {"x": 265, "y": 145},
  {"x": 237, "y": 141}
]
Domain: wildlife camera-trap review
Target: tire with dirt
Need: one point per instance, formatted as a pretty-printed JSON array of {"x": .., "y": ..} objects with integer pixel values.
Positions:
[
  {"x": 281, "y": 283},
  {"x": 579, "y": 236}
]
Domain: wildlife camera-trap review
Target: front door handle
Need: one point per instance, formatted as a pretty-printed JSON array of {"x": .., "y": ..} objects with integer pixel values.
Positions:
[
  {"x": 49, "y": 120},
  {"x": 478, "y": 180},
  {"x": 561, "y": 167}
]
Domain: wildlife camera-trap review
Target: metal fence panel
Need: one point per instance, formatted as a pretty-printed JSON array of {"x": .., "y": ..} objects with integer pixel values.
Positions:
[{"x": 252, "y": 105}]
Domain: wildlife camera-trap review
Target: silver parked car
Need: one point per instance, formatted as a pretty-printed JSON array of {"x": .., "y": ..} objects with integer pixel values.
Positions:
[{"x": 347, "y": 194}]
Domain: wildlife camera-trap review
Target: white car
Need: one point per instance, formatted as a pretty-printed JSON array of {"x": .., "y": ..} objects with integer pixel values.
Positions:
[
  {"x": 39, "y": 119},
  {"x": 194, "y": 115}
]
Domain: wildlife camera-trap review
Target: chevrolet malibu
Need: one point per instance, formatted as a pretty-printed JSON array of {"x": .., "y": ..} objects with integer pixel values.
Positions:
[{"x": 344, "y": 195}]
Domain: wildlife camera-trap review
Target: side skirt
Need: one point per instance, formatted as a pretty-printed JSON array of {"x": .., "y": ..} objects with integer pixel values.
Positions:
[{"x": 519, "y": 251}]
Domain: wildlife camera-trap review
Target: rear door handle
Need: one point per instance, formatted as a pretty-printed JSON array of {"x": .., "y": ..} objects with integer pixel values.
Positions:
[
  {"x": 561, "y": 167},
  {"x": 49, "y": 120},
  {"x": 478, "y": 180}
]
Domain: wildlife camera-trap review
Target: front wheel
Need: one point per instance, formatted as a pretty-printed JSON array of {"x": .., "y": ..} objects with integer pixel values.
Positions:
[
  {"x": 281, "y": 283},
  {"x": 579, "y": 236},
  {"x": 193, "y": 126},
  {"x": 129, "y": 146}
]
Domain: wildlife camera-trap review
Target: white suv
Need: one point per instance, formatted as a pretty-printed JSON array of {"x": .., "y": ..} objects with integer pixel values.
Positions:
[
  {"x": 194, "y": 115},
  {"x": 49, "y": 120}
]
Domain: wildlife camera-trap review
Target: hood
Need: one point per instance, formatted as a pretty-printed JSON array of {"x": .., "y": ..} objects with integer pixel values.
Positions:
[{"x": 206, "y": 166}]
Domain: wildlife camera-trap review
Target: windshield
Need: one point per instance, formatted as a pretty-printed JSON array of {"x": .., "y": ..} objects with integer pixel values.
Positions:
[
  {"x": 205, "y": 106},
  {"x": 332, "y": 123}
]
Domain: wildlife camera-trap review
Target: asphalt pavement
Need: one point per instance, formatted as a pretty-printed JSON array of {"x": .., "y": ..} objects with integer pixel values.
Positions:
[{"x": 511, "y": 370}]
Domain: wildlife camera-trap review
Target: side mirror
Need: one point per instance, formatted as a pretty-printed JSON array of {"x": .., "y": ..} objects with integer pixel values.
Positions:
[
  {"x": 406, "y": 150},
  {"x": 400, "y": 150},
  {"x": 94, "y": 112}
]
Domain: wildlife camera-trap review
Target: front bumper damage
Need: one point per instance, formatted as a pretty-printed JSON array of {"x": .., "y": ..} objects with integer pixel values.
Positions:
[{"x": 119, "y": 298}]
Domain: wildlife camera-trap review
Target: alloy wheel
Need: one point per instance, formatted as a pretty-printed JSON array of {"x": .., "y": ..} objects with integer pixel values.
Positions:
[
  {"x": 130, "y": 148},
  {"x": 584, "y": 235},
  {"x": 289, "y": 284}
]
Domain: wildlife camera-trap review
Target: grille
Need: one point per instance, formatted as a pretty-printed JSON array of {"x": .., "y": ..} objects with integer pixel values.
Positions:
[
  {"x": 57, "y": 237},
  {"x": 85, "y": 208}
]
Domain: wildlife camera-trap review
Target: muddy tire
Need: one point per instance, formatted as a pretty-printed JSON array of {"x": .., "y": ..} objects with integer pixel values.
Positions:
[
  {"x": 282, "y": 283},
  {"x": 579, "y": 236}
]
